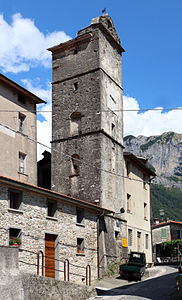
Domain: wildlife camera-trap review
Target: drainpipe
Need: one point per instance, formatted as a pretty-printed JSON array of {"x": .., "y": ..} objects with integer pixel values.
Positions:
[
  {"x": 98, "y": 246},
  {"x": 98, "y": 249},
  {"x": 151, "y": 218}
]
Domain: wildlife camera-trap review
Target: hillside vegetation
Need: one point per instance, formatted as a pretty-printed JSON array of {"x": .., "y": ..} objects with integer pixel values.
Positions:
[{"x": 169, "y": 199}]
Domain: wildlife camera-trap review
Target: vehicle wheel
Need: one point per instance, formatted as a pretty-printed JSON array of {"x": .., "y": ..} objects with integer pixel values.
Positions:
[{"x": 141, "y": 275}]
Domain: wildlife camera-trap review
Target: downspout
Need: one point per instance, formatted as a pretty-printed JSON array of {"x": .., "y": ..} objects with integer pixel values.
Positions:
[
  {"x": 98, "y": 246},
  {"x": 98, "y": 249},
  {"x": 151, "y": 218}
]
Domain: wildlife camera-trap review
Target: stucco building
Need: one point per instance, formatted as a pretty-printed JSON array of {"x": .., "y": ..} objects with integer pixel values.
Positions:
[
  {"x": 137, "y": 204},
  {"x": 17, "y": 125}
]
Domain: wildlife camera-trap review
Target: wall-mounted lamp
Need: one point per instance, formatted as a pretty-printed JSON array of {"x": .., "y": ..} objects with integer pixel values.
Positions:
[
  {"x": 96, "y": 201},
  {"x": 122, "y": 210}
]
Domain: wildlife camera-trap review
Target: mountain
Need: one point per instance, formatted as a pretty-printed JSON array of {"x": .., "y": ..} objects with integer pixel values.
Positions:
[
  {"x": 164, "y": 153},
  {"x": 168, "y": 199}
]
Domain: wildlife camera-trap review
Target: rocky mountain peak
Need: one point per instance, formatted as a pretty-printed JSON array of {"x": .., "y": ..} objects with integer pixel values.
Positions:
[{"x": 163, "y": 151}]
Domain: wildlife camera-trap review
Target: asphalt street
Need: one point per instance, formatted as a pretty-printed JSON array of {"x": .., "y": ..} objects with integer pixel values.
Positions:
[{"x": 162, "y": 287}]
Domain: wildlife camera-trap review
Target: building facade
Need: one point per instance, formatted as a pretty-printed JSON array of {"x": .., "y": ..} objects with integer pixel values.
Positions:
[
  {"x": 166, "y": 231},
  {"x": 137, "y": 205},
  {"x": 17, "y": 125},
  {"x": 60, "y": 226}
]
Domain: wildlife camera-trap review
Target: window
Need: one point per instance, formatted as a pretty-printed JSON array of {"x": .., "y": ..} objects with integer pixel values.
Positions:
[
  {"x": 21, "y": 99},
  {"x": 180, "y": 234},
  {"x": 21, "y": 122},
  {"x": 51, "y": 208},
  {"x": 75, "y": 85},
  {"x": 15, "y": 199},
  {"x": 75, "y": 123},
  {"x": 15, "y": 236},
  {"x": 112, "y": 126},
  {"x": 127, "y": 168},
  {"x": 146, "y": 241},
  {"x": 75, "y": 51},
  {"x": 80, "y": 216},
  {"x": 116, "y": 233},
  {"x": 128, "y": 203},
  {"x": 145, "y": 211},
  {"x": 109, "y": 24},
  {"x": 163, "y": 233},
  {"x": 130, "y": 237},
  {"x": 76, "y": 164},
  {"x": 80, "y": 245},
  {"x": 144, "y": 182},
  {"x": 22, "y": 162}
]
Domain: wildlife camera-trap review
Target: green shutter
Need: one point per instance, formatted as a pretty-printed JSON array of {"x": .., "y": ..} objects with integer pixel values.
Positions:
[{"x": 163, "y": 233}]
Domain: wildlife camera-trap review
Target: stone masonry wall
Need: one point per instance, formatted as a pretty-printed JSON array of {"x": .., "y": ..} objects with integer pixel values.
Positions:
[
  {"x": 87, "y": 83},
  {"x": 22, "y": 286},
  {"x": 86, "y": 183},
  {"x": 32, "y": 219}
]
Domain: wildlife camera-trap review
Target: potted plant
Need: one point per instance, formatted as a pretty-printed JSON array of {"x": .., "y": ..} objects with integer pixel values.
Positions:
[{"x": 14, "y": 241}]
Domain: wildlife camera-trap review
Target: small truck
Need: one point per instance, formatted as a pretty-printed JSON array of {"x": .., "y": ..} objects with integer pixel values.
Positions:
[{"x": 135, "y": 267}]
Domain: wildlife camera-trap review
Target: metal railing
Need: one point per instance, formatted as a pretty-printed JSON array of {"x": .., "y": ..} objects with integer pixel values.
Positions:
[{"x": 66, "y": 266}]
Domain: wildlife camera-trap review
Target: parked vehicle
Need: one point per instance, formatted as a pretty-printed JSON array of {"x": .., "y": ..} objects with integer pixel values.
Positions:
[{"x": 135, "y": 267}]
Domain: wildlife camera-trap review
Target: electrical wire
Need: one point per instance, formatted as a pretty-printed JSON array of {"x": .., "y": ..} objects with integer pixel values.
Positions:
[
  {"x": 101, "y": 111},
  {"x": 79, "y": 160}
]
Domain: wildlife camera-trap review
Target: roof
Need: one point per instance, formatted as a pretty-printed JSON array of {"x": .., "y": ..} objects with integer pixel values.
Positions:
[
  {"x": 139, "y": 162},
  {"x": 70, "y": 43},
  {"x": 165, "y": 223},
  {"x": 83, "y": 37},
  {"x": 20, "y": 89},
  {"x": 51, "y": 194}
]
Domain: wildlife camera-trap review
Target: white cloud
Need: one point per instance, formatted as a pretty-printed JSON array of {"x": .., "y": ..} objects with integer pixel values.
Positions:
[
  {"x": 44, "y": 131},
  {"x": 147, "y": 123},
  {"x": 152, "y": 122},
  {"x": 44, "y": 128},
  {"x": 23, "y": 45},
  {"x": 44, "y": 94}
]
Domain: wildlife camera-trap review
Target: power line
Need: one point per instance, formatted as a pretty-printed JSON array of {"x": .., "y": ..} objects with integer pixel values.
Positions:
[
  {"x": 101, "y": 111},
  {"x": 70, "y": 157}
]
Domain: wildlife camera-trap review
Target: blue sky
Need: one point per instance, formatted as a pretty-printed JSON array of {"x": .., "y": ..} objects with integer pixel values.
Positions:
[{"x": 150, "y": 32}]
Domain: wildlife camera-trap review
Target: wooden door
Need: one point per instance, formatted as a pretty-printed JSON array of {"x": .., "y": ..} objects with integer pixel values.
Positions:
[{"x": 50, "y": 255}]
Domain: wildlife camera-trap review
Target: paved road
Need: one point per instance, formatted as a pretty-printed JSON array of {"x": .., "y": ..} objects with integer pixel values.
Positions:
[{"x": 156, "y": 288}]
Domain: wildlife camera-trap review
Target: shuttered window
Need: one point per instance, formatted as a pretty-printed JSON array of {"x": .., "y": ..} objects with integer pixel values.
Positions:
[
  {"x": 130, "y": 237},
  {"x": 163, "y": 233}
]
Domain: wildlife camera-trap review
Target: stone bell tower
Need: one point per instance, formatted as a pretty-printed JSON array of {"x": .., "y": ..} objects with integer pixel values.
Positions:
[{"x": 87, "y": 138}]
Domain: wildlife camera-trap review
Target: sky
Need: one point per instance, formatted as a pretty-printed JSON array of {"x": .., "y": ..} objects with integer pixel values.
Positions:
[{"x": 150, "y": 33}]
